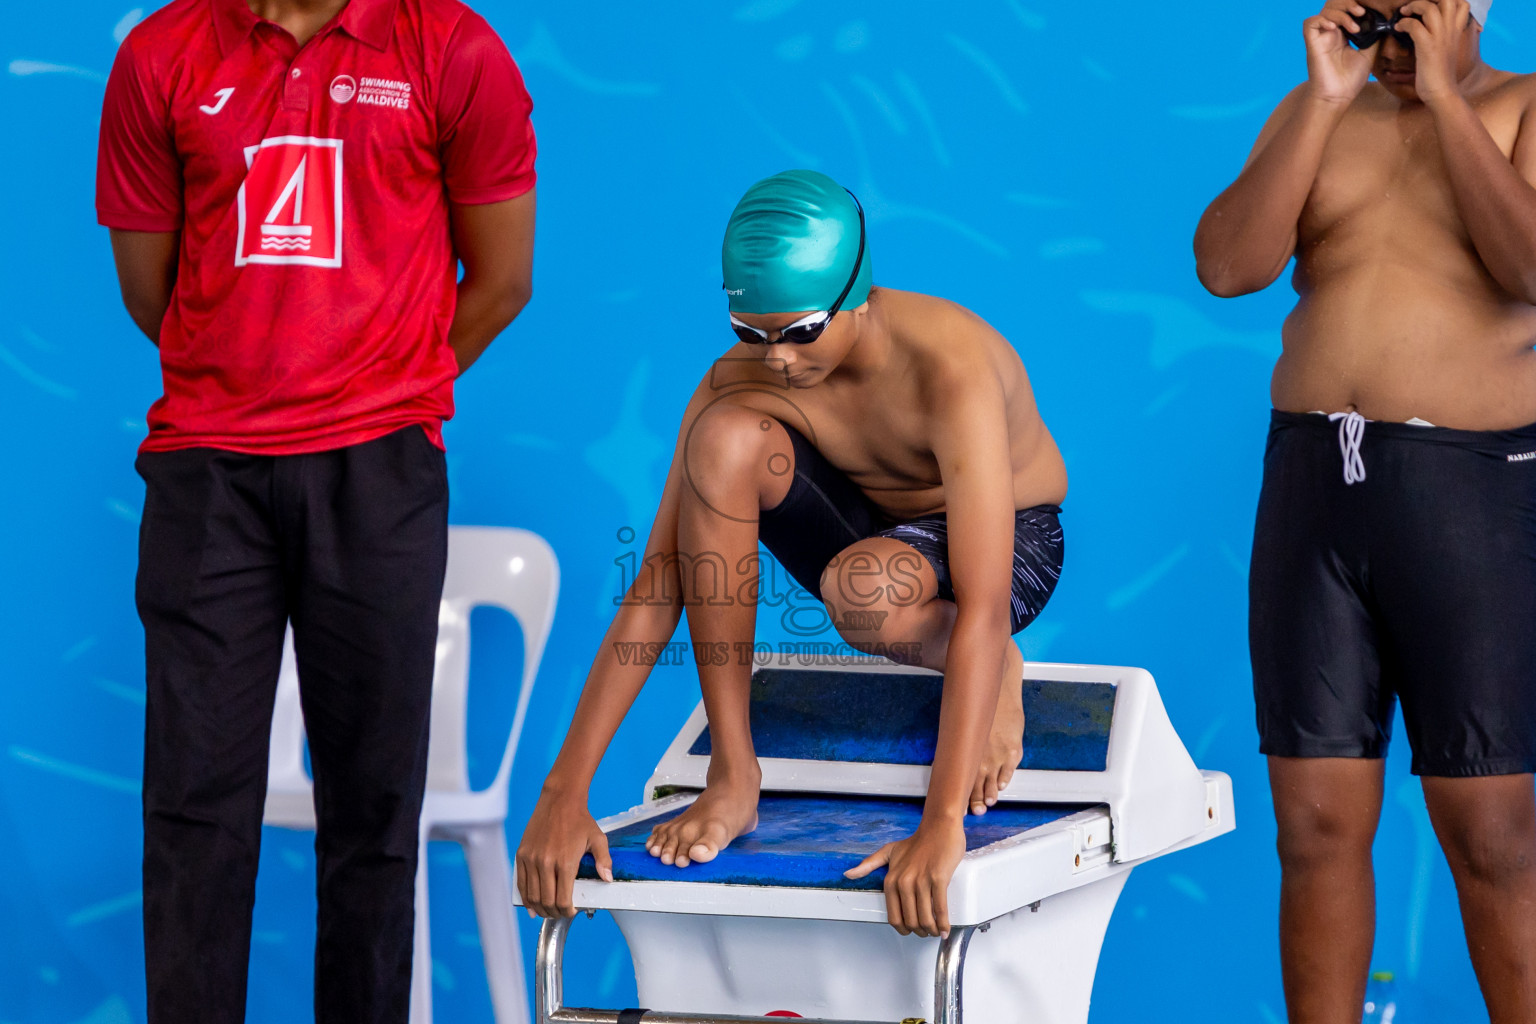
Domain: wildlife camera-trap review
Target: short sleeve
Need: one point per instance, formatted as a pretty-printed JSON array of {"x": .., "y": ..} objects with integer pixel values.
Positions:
[
  {"x": 484, "y": 132},
  {"x": 138, "y": 174}
]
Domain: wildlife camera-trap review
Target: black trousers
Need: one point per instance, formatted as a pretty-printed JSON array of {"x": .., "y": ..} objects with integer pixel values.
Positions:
[{"x": 350, "y": 545}]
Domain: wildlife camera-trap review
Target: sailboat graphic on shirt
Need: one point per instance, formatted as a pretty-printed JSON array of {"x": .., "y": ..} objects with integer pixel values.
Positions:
[
  {"x": 293, "y": 235},
  {"x": 290, "y": 204}
]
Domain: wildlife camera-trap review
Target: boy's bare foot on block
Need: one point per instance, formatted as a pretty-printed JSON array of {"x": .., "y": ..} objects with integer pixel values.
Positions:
[
  {"x": 726, "y": 809},
  {"x": 1006, "y": 744}
]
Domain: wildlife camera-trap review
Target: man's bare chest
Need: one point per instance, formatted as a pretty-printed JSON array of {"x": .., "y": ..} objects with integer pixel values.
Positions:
[
  {"x": 1384, "y": 177},
  {"x": 1379, "y": 174}
]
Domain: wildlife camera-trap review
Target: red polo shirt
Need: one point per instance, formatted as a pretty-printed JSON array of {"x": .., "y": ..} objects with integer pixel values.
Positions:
[{"x": 311, "y": 185}]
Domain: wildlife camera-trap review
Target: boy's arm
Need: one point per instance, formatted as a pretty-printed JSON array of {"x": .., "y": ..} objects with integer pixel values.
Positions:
[
  {"x": 562, "y": 829},
  {"x": 1248, "y": 233},
  {"x": 971, "y": 445}
]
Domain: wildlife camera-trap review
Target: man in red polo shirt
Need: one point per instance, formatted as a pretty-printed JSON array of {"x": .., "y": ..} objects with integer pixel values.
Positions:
[{"x": 291, "y": 186}]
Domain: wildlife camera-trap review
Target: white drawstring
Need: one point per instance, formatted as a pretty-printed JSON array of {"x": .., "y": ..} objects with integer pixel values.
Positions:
[{"x": 1351, "y": 433}]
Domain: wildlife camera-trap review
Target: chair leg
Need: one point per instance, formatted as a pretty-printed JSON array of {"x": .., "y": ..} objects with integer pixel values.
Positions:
[
  {"x": 421, "y": 957},
  {"x": 490, "y": 879}
]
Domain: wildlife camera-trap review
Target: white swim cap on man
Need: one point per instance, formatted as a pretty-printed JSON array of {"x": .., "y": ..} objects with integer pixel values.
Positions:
[{"x": 1480, "y": 10}]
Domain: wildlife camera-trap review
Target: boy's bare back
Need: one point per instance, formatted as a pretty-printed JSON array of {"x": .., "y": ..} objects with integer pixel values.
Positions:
[{"x": 873, "y": 417}]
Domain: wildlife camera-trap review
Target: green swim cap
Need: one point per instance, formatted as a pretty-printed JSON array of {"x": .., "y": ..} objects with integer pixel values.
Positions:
[{"x": 791, "y": 246}]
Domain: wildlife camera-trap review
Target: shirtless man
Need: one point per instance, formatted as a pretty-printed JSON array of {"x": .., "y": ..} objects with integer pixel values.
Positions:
[
  {"x": 885, "y": 446},
  {"x": 1392, "y": 558}
]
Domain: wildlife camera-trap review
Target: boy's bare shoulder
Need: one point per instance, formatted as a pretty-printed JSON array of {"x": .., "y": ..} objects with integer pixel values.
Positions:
[
  {"x": 944, "y": 336},
  {"x": 941, "y": 323},
  {"x": 909, "y": 308}
]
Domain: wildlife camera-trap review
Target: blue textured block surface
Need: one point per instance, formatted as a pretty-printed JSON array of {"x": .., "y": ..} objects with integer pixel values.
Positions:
[
  {"x": 893, "y": 718},
  {"x": 807, "y": 842}
]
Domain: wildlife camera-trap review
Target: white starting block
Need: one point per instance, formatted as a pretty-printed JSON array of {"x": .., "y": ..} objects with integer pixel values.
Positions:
[{"x": 770, "y": 928}]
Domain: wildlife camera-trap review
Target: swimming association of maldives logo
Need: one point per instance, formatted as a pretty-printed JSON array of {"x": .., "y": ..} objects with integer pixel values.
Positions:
[
  {"x": 372, "y": 92},
  {"x": 384, "y": 92},
  {"x": 289, "y": 205}
]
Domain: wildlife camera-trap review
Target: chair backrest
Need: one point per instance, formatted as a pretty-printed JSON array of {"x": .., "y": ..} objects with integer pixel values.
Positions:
[
  {"x": 503, "y": 567},
  {"x": 285, "y": 761},
  {"x": 487, "y": 565}
]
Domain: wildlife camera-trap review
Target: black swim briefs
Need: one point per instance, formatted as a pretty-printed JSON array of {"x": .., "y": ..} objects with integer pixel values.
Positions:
[
  {"x": 824, "y": 512},
  {"x": 1416, "y": 582}
]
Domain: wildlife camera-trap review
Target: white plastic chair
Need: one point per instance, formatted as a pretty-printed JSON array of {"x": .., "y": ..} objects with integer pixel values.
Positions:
[{"x": 508, "y": 568}]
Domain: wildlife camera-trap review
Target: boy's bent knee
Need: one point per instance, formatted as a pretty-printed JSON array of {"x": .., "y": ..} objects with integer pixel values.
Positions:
[
  {"x": 728, "y": 447},
  {"x": 729, "y": 435},
  {"x": 866, "y": 604}
]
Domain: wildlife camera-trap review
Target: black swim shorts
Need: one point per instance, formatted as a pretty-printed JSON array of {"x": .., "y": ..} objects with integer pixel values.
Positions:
[
  {"x": 824, "y": 512},
  {"x": 1414, "y": 579}
]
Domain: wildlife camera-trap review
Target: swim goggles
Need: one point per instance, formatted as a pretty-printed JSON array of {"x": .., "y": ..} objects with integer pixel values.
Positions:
[
  {"x": 1375, "y": 26},
  {"x": 808, "y": 328}
]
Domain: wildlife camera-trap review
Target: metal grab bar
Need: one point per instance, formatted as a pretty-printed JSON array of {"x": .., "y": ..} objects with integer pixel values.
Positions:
[
  {"x": 550, "y": 1008},
  {"x": 949, "y": 974}
]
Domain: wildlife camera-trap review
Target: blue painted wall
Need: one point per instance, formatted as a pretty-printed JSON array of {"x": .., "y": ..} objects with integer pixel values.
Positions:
[{"x": 1019, "y": 159}]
